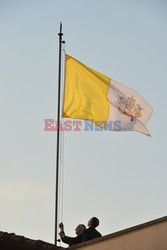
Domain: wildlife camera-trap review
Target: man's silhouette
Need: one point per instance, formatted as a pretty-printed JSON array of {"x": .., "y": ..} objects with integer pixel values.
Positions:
[
  {"x": 72, "y": 240},
  {"x": 91, "y": 232}
]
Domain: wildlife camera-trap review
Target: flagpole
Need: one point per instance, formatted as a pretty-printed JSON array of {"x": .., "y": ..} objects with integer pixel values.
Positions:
[{"x": 60, "y": 34}]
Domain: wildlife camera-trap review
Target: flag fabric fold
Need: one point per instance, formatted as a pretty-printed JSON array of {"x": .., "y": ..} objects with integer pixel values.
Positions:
[{"x": 90, "y": 95}]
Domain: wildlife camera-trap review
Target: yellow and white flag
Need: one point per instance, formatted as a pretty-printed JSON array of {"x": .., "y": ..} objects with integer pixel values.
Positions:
[{"x": 90, "y": 95}]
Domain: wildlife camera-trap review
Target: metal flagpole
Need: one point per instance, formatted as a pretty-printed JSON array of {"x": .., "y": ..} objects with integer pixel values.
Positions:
[{"x": 60, "y": 34}]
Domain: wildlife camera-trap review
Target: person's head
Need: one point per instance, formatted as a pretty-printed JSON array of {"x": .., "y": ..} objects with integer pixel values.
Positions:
[
  {"x": 93, "y": 222},
  {"x": 80, "y": 229}
]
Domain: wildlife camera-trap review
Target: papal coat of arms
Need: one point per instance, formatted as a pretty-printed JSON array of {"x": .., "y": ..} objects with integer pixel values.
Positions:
[{"x": 128, "y": 106}]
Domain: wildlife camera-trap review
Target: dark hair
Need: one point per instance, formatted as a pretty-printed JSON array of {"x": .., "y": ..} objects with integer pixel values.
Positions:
[
  {"x": 83, "y": 226},
  {"x": 95, "y": 222}
]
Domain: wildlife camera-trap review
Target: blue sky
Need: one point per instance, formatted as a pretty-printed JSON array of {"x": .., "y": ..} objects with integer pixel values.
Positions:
[{"x": 118, "y": 177}]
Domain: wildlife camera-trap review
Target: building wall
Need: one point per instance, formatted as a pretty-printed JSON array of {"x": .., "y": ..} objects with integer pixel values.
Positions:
[{"x": 151, "y": 237}]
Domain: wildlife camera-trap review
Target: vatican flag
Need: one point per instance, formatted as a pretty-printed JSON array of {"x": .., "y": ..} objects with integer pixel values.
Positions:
[{"x": 90, "y": 95}]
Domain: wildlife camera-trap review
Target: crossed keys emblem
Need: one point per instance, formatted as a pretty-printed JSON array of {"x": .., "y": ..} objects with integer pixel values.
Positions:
[{"x": 128, "y": 106}]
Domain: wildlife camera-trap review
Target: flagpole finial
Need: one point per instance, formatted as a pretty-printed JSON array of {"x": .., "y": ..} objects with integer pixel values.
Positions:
[
  {"x": 60, "y": 27},
  {"x": 60, "y": 33}
]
